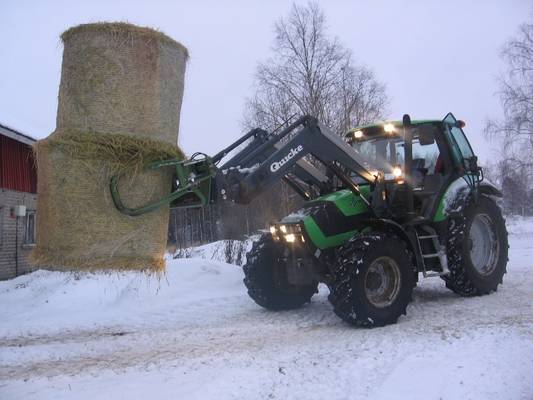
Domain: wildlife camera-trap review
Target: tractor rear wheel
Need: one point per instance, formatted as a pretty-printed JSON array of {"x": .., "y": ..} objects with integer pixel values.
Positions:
[
  {"x": 373, "y": 281},
  {"x": 265, "y": 277},
  {"x": 477, "y": 249}
]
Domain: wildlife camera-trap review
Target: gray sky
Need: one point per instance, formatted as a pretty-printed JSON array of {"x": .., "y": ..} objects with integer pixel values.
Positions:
[{"x": 434, "y": 56}]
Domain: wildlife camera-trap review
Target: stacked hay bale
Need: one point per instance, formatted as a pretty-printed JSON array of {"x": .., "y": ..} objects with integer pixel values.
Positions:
[{"x": 119, "y": 105}]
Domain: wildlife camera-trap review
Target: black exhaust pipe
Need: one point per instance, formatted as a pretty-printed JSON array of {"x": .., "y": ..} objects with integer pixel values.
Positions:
[{"x": 408, "y": 146}]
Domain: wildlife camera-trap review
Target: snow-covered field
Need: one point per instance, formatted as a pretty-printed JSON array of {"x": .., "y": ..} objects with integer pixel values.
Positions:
[{"x": 196, "y": 335}]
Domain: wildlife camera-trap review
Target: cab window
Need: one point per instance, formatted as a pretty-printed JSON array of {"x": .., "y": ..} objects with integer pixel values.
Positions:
[
  {"x": 460, "y": 147},
  {"x": 459, "y": 139},
  {"x": 428, "y": 152}
]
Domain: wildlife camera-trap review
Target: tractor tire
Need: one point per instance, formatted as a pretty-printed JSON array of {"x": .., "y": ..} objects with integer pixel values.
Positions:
[
  {"x": 265, "y": 277},
  {"x": 373, "y": 281},
  {"x": 477, "y": 249}
]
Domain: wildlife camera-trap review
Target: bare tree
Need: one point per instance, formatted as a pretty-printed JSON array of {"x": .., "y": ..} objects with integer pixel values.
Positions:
[
  {"x": 311, "y": 73},
  {"x": 308, "y": 73},
  {"x": 514, "y": 131}
]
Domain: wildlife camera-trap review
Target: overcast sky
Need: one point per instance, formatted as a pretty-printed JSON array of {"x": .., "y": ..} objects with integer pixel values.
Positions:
[{"x": 434, "y": 56}]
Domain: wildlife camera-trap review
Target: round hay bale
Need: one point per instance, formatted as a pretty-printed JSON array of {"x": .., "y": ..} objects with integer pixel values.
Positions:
[
  {"x": 118, "y": 77},
  {"x": 119, "y": 102}
]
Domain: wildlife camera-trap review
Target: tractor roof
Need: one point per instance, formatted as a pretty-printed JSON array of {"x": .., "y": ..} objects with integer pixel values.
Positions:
[{"x": 397, "y": 124}]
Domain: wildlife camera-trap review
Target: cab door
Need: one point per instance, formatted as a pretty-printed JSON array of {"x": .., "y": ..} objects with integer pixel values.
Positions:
[
  {"x": 460, "y": 149},
  {"x": 465, "y": 165}
]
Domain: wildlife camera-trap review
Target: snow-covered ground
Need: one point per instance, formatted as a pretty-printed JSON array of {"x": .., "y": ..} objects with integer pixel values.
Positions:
[{"x": 195, "y": 334}]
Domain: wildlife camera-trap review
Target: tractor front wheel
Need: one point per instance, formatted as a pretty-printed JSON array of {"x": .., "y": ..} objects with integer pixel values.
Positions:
[
  {"x": 373, "y": 280},
  {"x": 265, "y": 277}
]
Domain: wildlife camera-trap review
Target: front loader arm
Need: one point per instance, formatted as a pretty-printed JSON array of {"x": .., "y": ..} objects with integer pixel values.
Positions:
[
  {"x": 261, "y": 163},
  {"x": 258, "y": 172}
]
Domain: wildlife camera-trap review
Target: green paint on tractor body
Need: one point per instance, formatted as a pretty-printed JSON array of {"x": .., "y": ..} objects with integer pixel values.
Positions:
[
  {"x": 340, "y": 210},
  {"x": 346, "y": 201},
  {"x": 320, "y": 240}
]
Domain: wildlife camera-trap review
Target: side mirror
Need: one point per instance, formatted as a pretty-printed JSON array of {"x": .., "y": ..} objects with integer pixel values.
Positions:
[{"x": 471, "y": 164}]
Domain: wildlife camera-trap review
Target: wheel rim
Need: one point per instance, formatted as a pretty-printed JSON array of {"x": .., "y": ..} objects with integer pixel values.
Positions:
[
  {"x": 382, "y": 282},
  {"x": 484, "y": 245}
]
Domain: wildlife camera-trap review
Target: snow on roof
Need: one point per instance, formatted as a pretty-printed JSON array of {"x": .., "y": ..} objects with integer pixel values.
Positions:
[{"x": 16, "y": 135}]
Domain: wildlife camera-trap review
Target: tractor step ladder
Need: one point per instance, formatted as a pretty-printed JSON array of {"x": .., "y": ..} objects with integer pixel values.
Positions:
[{"x": 440, "y": 252}]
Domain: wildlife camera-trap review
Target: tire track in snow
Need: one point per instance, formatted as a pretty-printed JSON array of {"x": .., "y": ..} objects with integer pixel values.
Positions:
[{"x": 310, "y": 329}]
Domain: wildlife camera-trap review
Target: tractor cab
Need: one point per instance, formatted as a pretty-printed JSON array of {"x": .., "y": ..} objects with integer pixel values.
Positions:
[{"x": 413, "y": 162}]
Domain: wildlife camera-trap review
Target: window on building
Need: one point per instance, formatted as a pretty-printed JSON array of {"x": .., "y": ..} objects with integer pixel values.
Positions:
[{"x": 29, "y": 235}]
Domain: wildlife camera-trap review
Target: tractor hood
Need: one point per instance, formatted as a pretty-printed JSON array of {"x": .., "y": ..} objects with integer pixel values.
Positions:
[{"x": 331, "y": 220}]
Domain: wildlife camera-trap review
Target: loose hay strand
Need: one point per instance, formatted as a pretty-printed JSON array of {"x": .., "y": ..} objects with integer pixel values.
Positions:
[
  {"x": 125, "y": 153},
  {"x": 143, "y": 264}
]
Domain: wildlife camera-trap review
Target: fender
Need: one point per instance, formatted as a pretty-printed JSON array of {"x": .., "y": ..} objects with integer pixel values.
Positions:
[
  {"x": 489, "y": 189},
  {"x": 453, "y": 200},
  {"x": 458, "y": 195}
]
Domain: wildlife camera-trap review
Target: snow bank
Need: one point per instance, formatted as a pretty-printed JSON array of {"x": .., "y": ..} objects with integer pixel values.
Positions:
[
  {"x": 218, "y": 251},
  {"x": 46, "y": 301}
]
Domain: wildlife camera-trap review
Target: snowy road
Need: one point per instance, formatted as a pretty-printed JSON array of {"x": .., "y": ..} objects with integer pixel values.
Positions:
[{"x": 196, "y": 335}]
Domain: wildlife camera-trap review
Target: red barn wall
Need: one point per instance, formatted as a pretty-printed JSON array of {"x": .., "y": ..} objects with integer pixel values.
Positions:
[{"x": 17, "y": 166}]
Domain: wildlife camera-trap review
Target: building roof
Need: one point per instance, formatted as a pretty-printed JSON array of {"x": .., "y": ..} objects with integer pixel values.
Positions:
[{"x": 16, "y": 135}]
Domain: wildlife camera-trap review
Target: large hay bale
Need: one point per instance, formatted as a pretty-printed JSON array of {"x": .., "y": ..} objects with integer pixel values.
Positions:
[
  {"x": 119, "y": 102},
  {"x": 120, "y": 78}
]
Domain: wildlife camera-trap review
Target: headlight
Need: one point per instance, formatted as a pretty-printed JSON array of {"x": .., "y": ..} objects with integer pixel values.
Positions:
[
  {"x": 291, "y": 233},
  {"x": 389, "y": 128},
  {"x": 290, "y": 238},
  {"x": 397, "y": 172},
  {"x": 358, "y": 134}
]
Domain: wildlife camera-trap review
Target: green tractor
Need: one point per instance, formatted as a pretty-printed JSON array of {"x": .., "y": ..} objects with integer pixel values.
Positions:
[{"x": 384, "y": 204}]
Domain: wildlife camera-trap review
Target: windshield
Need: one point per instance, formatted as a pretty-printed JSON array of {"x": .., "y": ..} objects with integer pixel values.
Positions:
[{"x": 382, "y": 152}]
